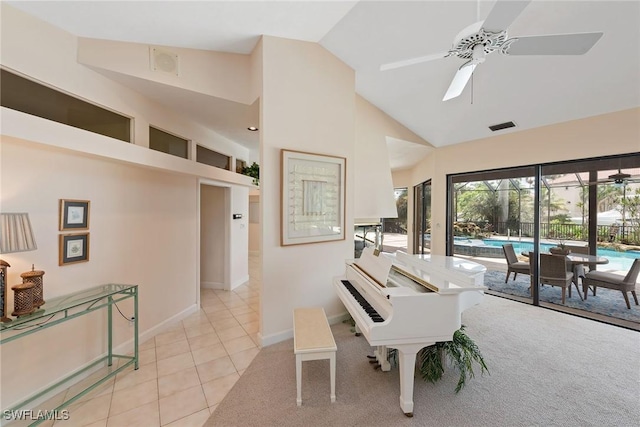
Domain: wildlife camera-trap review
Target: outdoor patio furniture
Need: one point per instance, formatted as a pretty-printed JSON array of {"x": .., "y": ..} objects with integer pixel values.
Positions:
[
  {"x": 577, "y": 249},
  {"x": 513, "y": 264},
  {"x": 608, "y": 280},
  {"x": 553, "y": 271},
  {"x": 579, "y": 270}
]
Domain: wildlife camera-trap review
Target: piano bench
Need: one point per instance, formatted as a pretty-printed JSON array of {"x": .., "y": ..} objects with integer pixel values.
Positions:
[{"x": 313, "y": 340}]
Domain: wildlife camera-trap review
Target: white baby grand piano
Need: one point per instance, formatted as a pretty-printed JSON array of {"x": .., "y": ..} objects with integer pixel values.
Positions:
[{"x": 408, "y": 302}]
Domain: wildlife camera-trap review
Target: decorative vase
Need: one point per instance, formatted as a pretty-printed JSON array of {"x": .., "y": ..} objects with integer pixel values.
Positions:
[{"x": 559, "y": 251}]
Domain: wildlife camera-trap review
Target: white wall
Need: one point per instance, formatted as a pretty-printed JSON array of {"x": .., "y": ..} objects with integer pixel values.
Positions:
[
  {"x": 307, "y": 104},
  {"x": 239, "y": 238},
  {"x": 213, "y": 236},
  {"x": 255, "y": 230}
]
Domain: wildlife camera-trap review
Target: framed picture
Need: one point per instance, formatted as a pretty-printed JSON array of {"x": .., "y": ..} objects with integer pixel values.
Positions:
[
  {"x": 74, "y": 248},
  {"x": 313, "y": 198},
  {"x": 74, "y": 214}
]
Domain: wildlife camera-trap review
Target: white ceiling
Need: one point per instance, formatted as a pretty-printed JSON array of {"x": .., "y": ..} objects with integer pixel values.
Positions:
[{"x": 532, "y": 91}]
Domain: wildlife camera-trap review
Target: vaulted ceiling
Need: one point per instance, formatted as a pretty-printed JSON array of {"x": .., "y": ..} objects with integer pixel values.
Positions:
[{"x": 531, "y": 91}]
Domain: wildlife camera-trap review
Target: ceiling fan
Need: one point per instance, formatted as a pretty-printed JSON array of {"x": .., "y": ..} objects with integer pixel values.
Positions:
[
  {"x": 620, "y": 177},
  {"x": 484, "y": 37}
]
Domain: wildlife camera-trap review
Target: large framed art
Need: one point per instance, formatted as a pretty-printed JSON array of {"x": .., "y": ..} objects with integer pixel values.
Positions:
[{"x": 313, "y": 198}]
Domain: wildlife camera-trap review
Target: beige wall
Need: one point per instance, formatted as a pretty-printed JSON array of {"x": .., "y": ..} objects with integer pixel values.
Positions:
[
  {"x": 373, "y": 191},
  {"x": 220, "y": 74},
  {"x": 142, "y": 231},
  {"x": 48, "y": 54},
  {"x": 608, "y": 134},
  {"x": 144, "y": 207},
  {"x": 308, "y": 104}
]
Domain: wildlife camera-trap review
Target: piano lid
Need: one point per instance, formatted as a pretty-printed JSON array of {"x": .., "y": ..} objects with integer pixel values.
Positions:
[{"x": 439, "y": 273}]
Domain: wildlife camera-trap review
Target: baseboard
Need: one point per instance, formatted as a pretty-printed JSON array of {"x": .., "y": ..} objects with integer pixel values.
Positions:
[
  {"x": 288, "y": 334},
  {"x": 240, "y": 282},
  {"x": 267, "y": 340},
  {"x": 159, "y": 328},
  {"x": 124, "y": 348},
  {"x": 212, "y": 285}
]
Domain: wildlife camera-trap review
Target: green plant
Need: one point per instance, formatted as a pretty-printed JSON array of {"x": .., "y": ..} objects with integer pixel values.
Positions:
[
  {"x": 462, "y": 352},
  {"x": 253, "y": 171}
]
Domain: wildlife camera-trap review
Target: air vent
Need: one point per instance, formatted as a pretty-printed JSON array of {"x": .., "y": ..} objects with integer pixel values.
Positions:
[
  {"x": 505, "y": 125},
  {"x": 164, "y": 61}
]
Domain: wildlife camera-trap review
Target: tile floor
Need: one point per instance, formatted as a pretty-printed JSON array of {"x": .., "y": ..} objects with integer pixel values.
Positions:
[{"x": 184, "y": 372}]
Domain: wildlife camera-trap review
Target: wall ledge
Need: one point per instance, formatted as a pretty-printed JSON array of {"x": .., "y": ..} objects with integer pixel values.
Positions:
[{"x": 24, "y": 126}]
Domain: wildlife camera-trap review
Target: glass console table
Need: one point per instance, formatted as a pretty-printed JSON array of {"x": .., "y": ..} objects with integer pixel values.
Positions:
[{"x": 67, "y": 307}]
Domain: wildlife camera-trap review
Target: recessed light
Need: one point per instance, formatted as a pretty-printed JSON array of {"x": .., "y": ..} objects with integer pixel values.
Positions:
[{"x": 252, "y": 128}]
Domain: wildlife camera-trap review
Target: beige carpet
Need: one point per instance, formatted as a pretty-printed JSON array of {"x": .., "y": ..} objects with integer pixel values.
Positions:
[{"x": 546, "y": 369}]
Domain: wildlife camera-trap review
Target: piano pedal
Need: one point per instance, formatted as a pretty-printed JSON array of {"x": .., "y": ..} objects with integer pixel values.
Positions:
[
  {"x": 373, "y": 361},
  {"x": 370, "y": 357},
  {"x": 358, "y": 334}
]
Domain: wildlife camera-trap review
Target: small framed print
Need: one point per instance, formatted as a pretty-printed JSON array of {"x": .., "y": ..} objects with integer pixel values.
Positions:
[
  {"x": 74, "y": 214},
  {"x": 74, "y": 248}
]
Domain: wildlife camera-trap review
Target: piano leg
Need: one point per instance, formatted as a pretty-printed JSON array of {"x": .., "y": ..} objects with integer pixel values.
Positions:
[
  {"x": 382, "y": 356},
  {"x": 357, "y": 329},
  {"x": 407, "y": 361}
]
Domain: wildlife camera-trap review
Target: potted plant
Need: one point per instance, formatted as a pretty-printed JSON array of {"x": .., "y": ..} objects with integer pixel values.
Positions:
[
  {"x": 560, "y": 248},
  {"x": 253, "y": 171},
  {"x": 461, "y": 353}
]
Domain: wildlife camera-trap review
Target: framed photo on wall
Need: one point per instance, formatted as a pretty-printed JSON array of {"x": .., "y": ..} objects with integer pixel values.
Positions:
[
  {"x": 313, "y": 198},
  {"x": 74, "y": 214},
  {"x": 73, "y": 248}
]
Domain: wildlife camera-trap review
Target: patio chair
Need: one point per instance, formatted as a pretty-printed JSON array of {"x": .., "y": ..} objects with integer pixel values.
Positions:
[
  {"x": 513, "y": 264},
  {"x": 608, "y": 280},
  {"x": 553, "y": 271},
  {"x": 579, "y": 270},
  {"x": 578, "y": 249}
]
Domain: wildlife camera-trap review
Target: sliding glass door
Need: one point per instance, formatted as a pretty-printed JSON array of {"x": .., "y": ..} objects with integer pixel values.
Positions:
[
  {"x": 585, "y": 212},
  {"x": 422, "y": 218}
]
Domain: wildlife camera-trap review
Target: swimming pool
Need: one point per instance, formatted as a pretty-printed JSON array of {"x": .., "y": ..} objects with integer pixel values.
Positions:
[{"x": 617, "y": 260}]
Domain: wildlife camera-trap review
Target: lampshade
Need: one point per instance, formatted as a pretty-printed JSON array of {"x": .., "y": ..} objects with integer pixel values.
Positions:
[{"x": 16, "y": 234}]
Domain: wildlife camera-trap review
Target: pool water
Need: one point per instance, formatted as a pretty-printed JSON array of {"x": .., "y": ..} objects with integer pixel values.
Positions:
[{"x": 617, "y": 260}]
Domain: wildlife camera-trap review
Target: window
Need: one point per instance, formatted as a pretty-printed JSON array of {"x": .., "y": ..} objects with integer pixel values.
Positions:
[
  {"x": 27, "y": 96},
  {"x": 212, "y": 158},
  {"x": 240, "y": 165},
  {"x": 168, "y": 143},
  {"x": 422, "y": 218}
]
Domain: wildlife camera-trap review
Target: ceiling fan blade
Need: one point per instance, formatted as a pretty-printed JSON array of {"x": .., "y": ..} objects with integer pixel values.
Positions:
[
  {"x": 412, "y": 61},
  {"x": 559, "y": 44},
  {"x": 503, "y": 14},
  {"x": 459, "y": 81}
]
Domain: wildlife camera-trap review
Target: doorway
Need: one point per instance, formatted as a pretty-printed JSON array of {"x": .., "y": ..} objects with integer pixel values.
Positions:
[{"x": 214, "y": 236}]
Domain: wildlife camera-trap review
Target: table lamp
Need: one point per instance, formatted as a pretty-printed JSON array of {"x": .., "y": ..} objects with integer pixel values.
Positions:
[{"x": 16, "y": 235}]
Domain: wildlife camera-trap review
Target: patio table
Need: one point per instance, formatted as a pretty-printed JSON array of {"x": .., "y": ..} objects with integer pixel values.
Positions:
[{"x": 577, "y": 261}]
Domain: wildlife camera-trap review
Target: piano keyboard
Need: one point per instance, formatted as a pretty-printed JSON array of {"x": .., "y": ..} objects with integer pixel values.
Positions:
[{"x": 371, "y": 312}]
